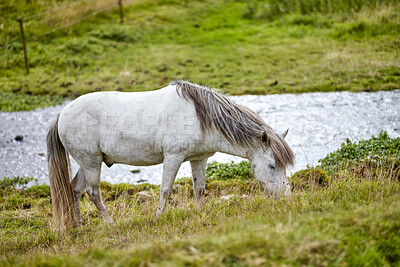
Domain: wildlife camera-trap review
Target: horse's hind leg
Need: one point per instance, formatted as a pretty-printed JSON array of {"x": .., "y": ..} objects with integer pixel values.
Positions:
[
  {"x": 199, "y": 179},
  {"x": 92, "y": 177},
  {"x": 78, "y": 184}
]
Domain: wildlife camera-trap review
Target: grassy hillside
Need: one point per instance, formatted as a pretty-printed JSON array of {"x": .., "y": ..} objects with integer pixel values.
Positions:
[
  {"x": 344, "y": 214},
  {"x": 242, "y": 47}
]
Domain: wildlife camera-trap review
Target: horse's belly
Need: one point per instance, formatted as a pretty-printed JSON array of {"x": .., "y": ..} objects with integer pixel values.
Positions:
[
  {"x": 132, "y": 155},
  {"x": 148, "y": 160}
]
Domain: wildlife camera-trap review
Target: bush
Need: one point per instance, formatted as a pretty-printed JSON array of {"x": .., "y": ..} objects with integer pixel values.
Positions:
[
  {"x": 380, "y": 151},
  {"x": 14, "y": 182},
  {"x": 225, "y": 171}
]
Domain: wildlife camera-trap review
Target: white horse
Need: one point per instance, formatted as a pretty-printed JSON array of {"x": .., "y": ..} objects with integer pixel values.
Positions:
[{"x": 181, "y": 122}]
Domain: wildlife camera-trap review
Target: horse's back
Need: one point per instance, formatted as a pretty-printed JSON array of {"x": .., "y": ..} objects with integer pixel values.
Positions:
[
  {"x": 112, "y": 101},
  {"x": 101, "y": 107}
]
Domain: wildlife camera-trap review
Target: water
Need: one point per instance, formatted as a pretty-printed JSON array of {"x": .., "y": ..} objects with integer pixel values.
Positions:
[{"x": 318, "y": 123}]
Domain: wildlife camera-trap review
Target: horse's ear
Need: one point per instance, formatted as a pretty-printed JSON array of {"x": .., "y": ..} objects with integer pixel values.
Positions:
[
  {"x": 264, "y": 138},
  {"x": 285, "y": 133}
]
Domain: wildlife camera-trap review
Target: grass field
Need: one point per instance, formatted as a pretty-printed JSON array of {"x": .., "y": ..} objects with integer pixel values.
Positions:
[
  {"x": 241, "y": 47},
  {"x": 348, "y": 221},
  {"x": 344, "y": 212}
]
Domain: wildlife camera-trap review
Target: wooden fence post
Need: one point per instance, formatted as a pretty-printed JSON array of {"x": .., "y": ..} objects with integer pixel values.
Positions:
[
  {"x": 121, "y": 12},
  {"x": 21, "y": 27}
]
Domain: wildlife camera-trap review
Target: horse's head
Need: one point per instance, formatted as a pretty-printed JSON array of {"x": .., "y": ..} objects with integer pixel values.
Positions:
[{"x": 265, "y": 168}]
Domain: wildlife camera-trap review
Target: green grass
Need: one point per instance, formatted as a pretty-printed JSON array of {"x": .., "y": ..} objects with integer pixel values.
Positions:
[
  {"x": 338, "y": 216},
  {"x": 212, "y": 42},
  {"x": 350, "y": 221},
  {"x": 363, "y": 235},
  {"x": 280, "y": 7}
]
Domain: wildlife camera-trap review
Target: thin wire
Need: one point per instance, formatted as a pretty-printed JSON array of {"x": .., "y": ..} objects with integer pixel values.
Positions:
[
  {"x": 52, "y": 10},
  {"x": 72, "y": 23},
  {"x": 25, "y": 19},
  {"x": 64, "y": 26}
]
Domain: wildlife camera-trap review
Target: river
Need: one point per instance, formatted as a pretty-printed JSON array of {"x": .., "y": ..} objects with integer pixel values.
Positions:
[{"x": 318, "y": 123}]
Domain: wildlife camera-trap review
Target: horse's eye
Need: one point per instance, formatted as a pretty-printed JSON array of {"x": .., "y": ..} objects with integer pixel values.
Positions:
[{"x": 272, "y": 166}]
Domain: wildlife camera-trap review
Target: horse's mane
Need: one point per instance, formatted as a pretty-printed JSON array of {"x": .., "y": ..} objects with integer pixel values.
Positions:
[{"x": 237, "y": 124}]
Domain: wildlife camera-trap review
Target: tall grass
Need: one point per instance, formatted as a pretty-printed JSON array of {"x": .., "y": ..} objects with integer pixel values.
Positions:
[
  {"x": 45, "y": 20},
  {"x": 306, "y": 7}
]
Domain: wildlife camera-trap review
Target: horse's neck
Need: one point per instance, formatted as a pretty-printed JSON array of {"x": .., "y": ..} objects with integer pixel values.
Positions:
[{"x": 219, "y": 144}]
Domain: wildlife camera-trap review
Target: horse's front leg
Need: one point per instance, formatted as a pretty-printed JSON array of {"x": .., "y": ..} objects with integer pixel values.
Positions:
[
  {"x": 171, "y": 166},
  {"x": 199, "y": 179}
]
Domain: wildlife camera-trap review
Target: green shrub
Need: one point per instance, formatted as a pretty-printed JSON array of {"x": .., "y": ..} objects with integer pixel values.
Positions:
[
  {"x": 225, "y": 171},
  {"x": 380, "y": 150},
  {"x": 14, "y": 182}
]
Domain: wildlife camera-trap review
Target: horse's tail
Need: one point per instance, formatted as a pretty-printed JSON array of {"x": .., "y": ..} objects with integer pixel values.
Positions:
[{"x": 63, "y": 200}]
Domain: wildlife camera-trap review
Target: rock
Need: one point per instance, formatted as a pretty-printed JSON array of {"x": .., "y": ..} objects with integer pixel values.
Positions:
[
  {"x": 19, "y": 138},
  {"x": 145, "y": 193},
  {"x": 227, "y": 197},
  {"x": 135, "y": 171}
]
